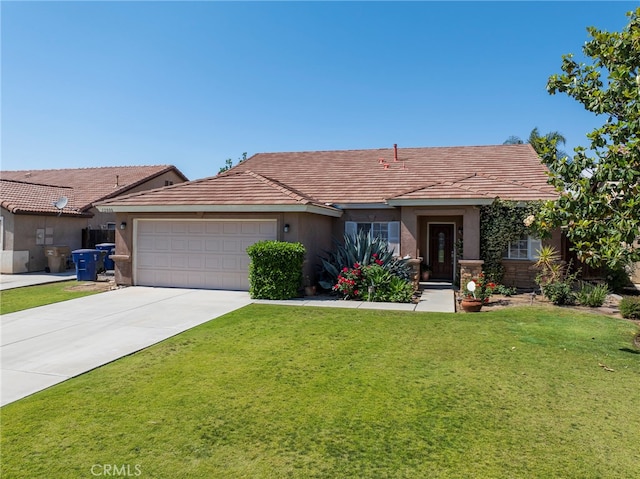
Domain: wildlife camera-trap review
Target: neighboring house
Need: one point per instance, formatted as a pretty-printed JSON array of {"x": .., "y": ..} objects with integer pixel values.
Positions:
[
  {"x": 422, "y": 200},
  {"x": 30, "y": 219}
]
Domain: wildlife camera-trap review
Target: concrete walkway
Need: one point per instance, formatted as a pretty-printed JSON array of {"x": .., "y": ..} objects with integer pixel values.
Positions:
[
  {"x": 47, "y": 345},
  {"x": 10, "y": 281},
  {"x": 436, "y": 298}
]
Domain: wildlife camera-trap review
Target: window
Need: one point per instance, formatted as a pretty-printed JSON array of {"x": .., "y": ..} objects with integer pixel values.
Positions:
[
  {"x": 389, "y": 231},
  {"x": 168, "y": 182},
  {"x": 525, "y": 248},
  {"x": 111, "y": 226}
]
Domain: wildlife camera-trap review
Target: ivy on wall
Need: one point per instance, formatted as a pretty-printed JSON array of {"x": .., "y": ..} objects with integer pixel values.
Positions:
[{"x": 502, "y": 222}]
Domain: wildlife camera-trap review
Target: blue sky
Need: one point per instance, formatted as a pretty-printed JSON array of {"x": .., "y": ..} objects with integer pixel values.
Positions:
[{"x": 194, "y": 83}]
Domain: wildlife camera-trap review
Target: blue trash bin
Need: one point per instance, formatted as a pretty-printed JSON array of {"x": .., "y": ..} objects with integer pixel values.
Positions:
[
  {"x": 109, "y": 249},
  {"x": 87, "y": 262}
]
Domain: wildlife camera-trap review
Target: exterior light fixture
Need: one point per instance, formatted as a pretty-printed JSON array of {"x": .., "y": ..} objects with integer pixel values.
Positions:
[
  {"x": 123, "y": 225},
  {"x": 286, "y": 228}
]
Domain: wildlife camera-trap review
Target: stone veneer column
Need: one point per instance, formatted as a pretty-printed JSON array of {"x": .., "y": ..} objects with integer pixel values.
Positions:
[{"x": 469, "y": 269}]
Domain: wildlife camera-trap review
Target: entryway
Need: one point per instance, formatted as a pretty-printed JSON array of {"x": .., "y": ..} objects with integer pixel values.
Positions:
[{"x": 441, "y": 250}]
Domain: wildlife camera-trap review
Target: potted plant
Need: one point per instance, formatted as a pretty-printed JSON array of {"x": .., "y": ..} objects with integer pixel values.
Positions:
[
  {"x": 309, "y": 288},
  {"x": 425, "y": 270},
  {"x": 476, "y": 293}
]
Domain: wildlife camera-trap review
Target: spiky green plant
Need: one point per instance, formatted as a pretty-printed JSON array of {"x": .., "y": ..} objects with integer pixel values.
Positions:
[{"x": 363, "y": 250}]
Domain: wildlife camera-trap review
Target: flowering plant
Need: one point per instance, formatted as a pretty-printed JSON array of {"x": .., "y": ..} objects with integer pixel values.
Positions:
[
  {"x": 481, "y": 289},
  {"x": 349, "y": 282}
]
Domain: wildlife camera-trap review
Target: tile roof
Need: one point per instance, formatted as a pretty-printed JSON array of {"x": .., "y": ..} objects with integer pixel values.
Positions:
[
  {"x": 362, "y": 176},
  {"x": 88, "y": 185},
  {"x": 469, "y": 173},
  {"x": 22, "y": 197},
  {"x": 233, "y": 189}
]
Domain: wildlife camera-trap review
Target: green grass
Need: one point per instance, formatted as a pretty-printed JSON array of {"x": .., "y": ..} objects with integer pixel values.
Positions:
[
  {"x": 273, "y": 392},
  {"x": 17, "y": 299}
]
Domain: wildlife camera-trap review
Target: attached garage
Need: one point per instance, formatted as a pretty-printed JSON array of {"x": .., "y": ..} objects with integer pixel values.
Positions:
[{"x": 209, "y": 254}]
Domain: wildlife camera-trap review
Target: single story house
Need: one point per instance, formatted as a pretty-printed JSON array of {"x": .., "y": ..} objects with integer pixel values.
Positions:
[
  {"x": 422, "y": 200},
  {"x": 40, "y": 208}
]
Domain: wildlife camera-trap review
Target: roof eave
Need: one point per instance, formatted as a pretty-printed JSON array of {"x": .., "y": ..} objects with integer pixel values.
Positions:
[
  {"x": 273, "y": 208},
  {"x": 441, "y": 202}
]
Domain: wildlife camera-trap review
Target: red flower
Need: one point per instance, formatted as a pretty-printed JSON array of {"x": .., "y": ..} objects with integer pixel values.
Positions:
[
  {"x": 375, "y": 255},
  {"x": 356, "y": 265},
  {"x": 379, "y": 262},
  {"x": 345, "y": 269}
]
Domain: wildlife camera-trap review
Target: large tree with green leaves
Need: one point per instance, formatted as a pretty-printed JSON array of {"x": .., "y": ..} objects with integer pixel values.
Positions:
[{"x": 600, "y": 186}]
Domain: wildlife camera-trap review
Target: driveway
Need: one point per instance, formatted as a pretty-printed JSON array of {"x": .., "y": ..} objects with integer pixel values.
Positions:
[{"x": 47, "y": 345}]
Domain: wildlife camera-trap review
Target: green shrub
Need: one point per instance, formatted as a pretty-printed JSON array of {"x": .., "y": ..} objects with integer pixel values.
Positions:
[
  {"x": 630, "y": 307},
  {"x": 505, "y": 290},
  {"x": 559, "y": 292},
  {"x": 360, "y": 250},
  {"x": 592, "y": 295},
  {"x": 275, "y": 271},
  {"x": 373, "y": 283}
]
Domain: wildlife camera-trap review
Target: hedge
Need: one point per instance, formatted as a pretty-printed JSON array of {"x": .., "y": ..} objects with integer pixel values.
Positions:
[{"x": 275, "y": 271}]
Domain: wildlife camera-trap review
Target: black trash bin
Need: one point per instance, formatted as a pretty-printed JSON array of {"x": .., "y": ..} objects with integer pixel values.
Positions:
[
  {"x": 87, "y": 261},
  {"x": 109, "y": 249}
]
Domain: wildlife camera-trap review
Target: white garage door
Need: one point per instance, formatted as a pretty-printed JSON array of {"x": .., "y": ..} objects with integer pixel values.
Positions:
[{"x": 197, "y": 254}]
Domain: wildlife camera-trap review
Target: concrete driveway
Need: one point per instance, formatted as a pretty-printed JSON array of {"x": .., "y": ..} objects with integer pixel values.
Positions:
[{"x": 47, "y": 345}]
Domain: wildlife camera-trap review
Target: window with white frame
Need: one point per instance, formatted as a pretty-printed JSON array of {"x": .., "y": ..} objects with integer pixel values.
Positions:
[
  {"x": 387, "y": 230},
  {"x": 524, "y": 248}
]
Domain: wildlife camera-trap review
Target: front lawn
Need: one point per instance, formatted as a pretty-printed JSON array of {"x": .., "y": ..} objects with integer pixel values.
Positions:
[
  {"x": 17, "y": 299},
  {"x": 275, "y": 391}
]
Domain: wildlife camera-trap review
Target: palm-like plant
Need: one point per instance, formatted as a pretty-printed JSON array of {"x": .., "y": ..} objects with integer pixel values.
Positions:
[{"x": 541, "y": 143}]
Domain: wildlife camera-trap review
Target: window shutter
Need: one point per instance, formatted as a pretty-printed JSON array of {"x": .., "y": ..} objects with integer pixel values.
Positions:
[
  {"x": 350, "y": 228},
  {"x": 394, "y": 237}
]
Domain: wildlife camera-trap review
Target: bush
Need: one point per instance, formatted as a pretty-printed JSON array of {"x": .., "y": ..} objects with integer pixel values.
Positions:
[
  {"x": 505, "y": 290},
  {"x": 373, "y": 283},
  {"x": 630, "y": 307},
  {"x": 275, "y": 271},
  {"x": 554, "y": 278},
  {"x": 360, "y": 250},
  {"x": 592, "y": 295},
  {"x": 559, "y": 292}
]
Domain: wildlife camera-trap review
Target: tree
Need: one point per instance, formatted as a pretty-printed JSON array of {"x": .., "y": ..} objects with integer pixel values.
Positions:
[
  {"x": 228, "y": 164},
  {"x": 537, "y": 141},
  {"x": 600, "y": 187}
]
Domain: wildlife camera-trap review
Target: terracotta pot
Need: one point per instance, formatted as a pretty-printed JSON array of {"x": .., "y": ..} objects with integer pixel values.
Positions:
[
  {"x": 309, "y": 290},
  {"x": 426, "y": 275},
  {"x": 471, "y": 305}
]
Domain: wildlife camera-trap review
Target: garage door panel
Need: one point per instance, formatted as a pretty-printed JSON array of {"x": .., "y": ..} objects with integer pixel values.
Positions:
[
  {"x": 179, "y": 227},
  {"x": 268, "y": 230},
  {"x": 197, "y": 254},
  {"x": 212, "y": 245}
]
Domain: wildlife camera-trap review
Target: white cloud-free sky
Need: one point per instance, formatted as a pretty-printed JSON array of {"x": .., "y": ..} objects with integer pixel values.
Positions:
[{"x": 194, "y": 83}]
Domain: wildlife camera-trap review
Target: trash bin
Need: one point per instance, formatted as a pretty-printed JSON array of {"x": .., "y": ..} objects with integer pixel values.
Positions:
[
  {"x": 109, "y": 249},
  {"x": 57, "y": 258},
  {"x": 87, "y": 263}
]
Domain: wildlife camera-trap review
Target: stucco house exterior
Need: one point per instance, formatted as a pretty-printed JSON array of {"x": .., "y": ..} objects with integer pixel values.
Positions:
[
  {"x": 422, "y": 200},
  {"x": 30, "y": 220}
]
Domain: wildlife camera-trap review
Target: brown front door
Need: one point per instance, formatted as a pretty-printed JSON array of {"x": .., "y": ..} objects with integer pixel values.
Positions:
[{"x": 441, "y": 251}]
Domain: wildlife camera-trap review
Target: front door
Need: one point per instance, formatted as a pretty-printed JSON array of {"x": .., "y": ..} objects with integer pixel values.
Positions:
[{"x": 441, "y": 251}]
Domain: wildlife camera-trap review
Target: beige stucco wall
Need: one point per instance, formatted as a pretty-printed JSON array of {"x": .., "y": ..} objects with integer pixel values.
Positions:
[
  {"x": 21, "y": 251},
  {"x": 414, "y": 228}
]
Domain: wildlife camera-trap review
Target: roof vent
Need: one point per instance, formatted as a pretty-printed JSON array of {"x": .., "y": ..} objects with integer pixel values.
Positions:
[{"x": 395, "y": 152}]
